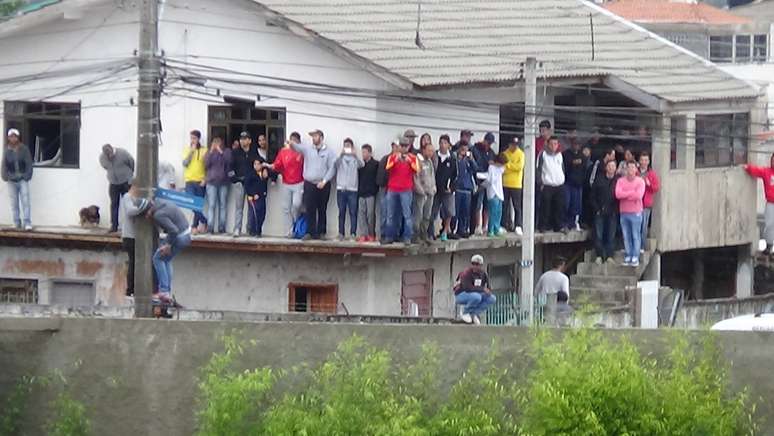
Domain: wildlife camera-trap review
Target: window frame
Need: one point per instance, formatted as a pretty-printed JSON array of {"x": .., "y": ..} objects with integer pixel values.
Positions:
[
  {"x": 69, "y": 112},
  {"x": 730, "y": 46},
  {"x": 726, "y": 140},
  {"x": 267, "y": 123},
  {"x": 742, "y": 41},
  {"x": 754, "y": 46}
]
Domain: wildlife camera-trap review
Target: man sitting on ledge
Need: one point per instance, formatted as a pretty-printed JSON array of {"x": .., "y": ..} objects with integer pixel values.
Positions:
[{"x": 472, "y": 290}]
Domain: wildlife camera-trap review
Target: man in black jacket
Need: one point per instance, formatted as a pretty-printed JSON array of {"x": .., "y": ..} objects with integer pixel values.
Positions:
[
  {"x": 575, "y": 167},
  {"x": 605, "y": 207},
  {"x": 445, "y": 179},
  {"x": 242, "y": 159},
  {"x": 366, "y": 196}
]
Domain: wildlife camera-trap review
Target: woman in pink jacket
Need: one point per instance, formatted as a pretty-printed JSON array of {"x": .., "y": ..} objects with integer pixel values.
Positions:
[
  {"x": 652, "y": 186},
  {"x": 629, "y": 191}
]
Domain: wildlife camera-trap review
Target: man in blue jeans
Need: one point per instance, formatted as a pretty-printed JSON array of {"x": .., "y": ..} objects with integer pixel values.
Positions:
[
  {"x": 170, "y": 219},
  {"x": 472, "y": 290},
  {"x": 401, "y": 168}
]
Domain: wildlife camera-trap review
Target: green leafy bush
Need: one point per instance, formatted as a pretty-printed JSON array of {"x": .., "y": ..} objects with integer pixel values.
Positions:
[
  {"x": 583, "y": 384},
  {"x": 69, "y": 418},
  {"x": 231, "y": 402},
  {"x": 587, "y": 385}
]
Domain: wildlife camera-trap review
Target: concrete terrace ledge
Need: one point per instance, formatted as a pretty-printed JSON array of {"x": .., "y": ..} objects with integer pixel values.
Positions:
[
  {"x": 77, "y": 237},
  {"x": 55, "y": 313}
]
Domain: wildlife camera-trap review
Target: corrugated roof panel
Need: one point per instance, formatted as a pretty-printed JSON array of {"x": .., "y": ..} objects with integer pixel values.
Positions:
[{"x": 486, "y": 41}]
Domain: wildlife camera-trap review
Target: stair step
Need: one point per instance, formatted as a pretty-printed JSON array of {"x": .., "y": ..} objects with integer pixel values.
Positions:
[
  {"x": 606, "y": 269},
  {"x": 603, "y": 282},
  {"x": 598, "y": 297}
]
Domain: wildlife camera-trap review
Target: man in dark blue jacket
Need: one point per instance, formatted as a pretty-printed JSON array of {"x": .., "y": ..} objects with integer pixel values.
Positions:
[
  {"x": 445, "y": 181},
  {"x": 464, "y": 187},
  {"x": 483, "y": 155}
]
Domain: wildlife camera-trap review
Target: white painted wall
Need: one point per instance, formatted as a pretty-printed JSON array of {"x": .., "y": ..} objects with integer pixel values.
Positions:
[
  {"x": 759, "y": 74},
  {"x": 229, "y": 35}
]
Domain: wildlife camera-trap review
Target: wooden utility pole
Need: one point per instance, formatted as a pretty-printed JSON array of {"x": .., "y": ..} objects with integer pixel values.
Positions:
[
  {"x": 148, "y": 96},
  {"x": 528, "y": 199}
]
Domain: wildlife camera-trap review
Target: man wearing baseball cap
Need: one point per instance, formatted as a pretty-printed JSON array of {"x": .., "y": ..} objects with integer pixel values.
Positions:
[
  {"x": 319, "y": 170},
  {"x": 472, "y": 290},
  {"x": 411, "y": 137},
  {"x": 17, "y": 172}
]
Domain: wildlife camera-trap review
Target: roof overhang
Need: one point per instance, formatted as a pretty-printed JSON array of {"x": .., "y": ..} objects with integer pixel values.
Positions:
[
  {"x": 70, "y": 9},
  {"x": 333, "y": 47}
]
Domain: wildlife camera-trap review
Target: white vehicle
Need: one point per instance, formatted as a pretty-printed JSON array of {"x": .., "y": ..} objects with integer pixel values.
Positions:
[{"x": 760, "y": 322}]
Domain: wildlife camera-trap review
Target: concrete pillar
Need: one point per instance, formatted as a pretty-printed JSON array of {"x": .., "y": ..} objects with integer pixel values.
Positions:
[
  {"x": 653, "y": 271},
  {"x": 661, "y": 151},
  {"x": 697, "y": 279},
  {"x": 745, "y": 272}
]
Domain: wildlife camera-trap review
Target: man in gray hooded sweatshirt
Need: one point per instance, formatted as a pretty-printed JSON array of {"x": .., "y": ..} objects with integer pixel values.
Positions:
[
  {"x": 120, "y": 171},
  {"x": 346, "y": 187}
]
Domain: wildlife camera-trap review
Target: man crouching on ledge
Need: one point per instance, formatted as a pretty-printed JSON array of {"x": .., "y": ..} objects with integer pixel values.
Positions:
[{"x": 170, "y": 220}]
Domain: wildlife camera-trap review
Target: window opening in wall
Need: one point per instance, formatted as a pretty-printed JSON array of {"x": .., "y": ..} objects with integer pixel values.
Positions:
[
  {"x": 73, "y": 293},
  {"x": 743, "y": 49},
  {"x": 228, "y": 122},
  {"x": 722, "y": 48},
  {"x": 50, "y": 130},
  {"x": 721, "y": 140},
  {"x": 19, "y": 291},
  {"x": 504, "y": 284},
  {"x": 313, "y": 298},
  {"x": 760, "y": 48},
  {"x": 416, "y": 293}
]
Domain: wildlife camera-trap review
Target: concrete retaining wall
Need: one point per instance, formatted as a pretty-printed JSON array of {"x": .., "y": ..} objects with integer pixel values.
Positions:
[{"x": 137, "y": 377}]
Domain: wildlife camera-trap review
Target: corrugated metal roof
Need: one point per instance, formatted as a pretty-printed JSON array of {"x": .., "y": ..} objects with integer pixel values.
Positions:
[{"x": 468, "y": 41}]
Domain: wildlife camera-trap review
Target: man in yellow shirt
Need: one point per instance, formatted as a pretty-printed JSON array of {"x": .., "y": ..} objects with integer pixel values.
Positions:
[
  {"x": 513, "y": 178},
  {"x": 193, "y": 174}
]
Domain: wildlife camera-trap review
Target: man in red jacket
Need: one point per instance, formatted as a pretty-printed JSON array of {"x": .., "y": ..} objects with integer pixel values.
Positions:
[
  {"x": 290, "y": 165},
  {"x": 401, "y": 167},
  {"x": 767, "y": 175},
  {"x": 652, "y": 185}
]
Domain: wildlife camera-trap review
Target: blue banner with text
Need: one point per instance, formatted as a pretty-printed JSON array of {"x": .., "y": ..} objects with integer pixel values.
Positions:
[{"x": 181, "y": 199}]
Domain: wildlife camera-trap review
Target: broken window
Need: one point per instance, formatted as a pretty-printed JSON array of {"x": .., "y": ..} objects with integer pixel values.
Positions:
[
  {"x": 19, "y": 291},
  {"x": 313, "y": 298},
  {"x": 50, "y": 130}
]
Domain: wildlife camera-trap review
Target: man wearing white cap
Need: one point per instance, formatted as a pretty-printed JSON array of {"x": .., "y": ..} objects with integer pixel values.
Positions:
[
  {"x": 472, "y": 290},
  {"x": 17, "y": 172}
]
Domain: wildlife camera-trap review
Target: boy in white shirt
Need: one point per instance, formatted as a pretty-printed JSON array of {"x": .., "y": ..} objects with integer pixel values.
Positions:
[{"x": 495, "y": 195}]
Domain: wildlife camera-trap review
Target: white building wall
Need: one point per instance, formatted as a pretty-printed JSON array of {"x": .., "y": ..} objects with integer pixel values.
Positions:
[{"x": 229, "y": 35}]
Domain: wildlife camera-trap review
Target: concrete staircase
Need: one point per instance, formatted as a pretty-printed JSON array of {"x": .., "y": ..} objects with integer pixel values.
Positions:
[{"x": 606, "y": 285}]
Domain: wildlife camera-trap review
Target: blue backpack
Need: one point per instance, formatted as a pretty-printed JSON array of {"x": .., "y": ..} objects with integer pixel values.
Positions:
[{"x": 299, "y": 227}]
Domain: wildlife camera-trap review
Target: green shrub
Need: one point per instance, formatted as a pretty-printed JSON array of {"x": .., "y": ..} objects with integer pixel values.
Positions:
[
  {"x": 588, "y": 385},
  {"x": 231, "y": 402},
  {"x": 12, "y": 407},
  {"x": 69, "y": 418}
]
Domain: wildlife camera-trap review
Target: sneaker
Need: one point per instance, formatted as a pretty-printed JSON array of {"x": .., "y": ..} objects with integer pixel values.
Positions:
[
  {"x": 627, "y": 262},
  {"x": 466, "y": 318},
  {"x": 453, "y": 236},
  {"x": 519, "y": 231},
  {"x": 635, "y": 263},
  {"x": 443, "y": 237},
  {"x": 408, "y": 242},
  {"x": 340, "y": 238},
  {"x": 564, "y": 230},
  {"x": 772, "y": 250},
  {"x": 642, "y": 251},
  {"x": 598, "y": 260},
  {"x": 362, "y": 239},
  {"x": 307, "y": 237},
  {"x": 578, "y": 227},
  {"x": 491, "y": 235},
  {"x": 479, "y": 232},
  {"x": 386, "y": 241},
  {"x": 611, "y": 261},
  {"x": 762, "y": 245},
  {"x": 502, "y": 231},
  {"x": 372, "y": 238},
  {"x": 476, "y": 320},
  {"x": 236, "y": 234},
  {"x": 28, "y": 227}
]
